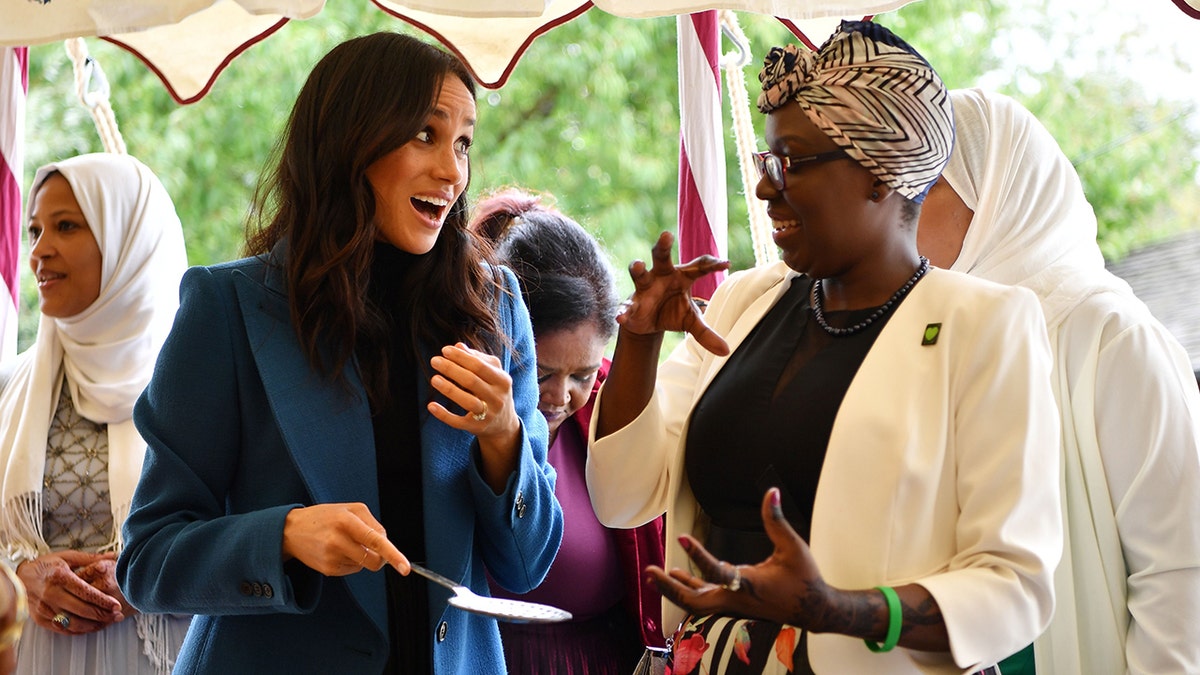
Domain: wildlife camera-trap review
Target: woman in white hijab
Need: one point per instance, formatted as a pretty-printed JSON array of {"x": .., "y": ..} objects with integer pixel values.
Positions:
[
  {"x": 107, "y": 251},
  {"x": 1010, "y": 208}
]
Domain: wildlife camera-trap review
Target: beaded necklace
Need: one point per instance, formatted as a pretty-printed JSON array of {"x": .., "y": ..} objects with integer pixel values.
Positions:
[{"x": 819, "y": 314}]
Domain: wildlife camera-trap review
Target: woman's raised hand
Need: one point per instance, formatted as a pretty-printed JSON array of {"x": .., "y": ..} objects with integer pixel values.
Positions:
[
  {"x": 478, "y": 383},
  {"x": 662, "y": 296},
  {"x": 339, "y": 539}
]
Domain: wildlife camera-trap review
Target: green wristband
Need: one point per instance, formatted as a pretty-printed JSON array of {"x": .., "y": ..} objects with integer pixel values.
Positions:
[{"x": 895, "y": 618}]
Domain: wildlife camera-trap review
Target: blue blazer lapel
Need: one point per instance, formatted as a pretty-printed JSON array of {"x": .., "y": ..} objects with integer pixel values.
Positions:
[{"x": 326, "y": 429}]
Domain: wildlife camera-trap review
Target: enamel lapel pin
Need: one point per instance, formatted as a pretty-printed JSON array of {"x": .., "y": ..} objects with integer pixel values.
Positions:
[{"x": 932, "y": 331}]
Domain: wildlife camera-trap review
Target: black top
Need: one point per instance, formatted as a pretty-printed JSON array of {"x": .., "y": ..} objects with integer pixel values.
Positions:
[
  {"x": 766, "y": 418},
  {"x": 398, "y": 460}
]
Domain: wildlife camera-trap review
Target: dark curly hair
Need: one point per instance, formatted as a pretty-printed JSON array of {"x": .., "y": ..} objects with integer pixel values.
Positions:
[{"x": 564, "y": 275}]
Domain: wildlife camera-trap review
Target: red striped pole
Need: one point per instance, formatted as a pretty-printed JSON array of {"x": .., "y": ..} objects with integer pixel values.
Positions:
[
  {"x": 703, "y": 205},
  {"x": 14, "y": 83}
]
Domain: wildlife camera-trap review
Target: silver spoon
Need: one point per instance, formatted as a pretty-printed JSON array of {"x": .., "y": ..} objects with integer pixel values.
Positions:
[{"x": 512, "y": 611}]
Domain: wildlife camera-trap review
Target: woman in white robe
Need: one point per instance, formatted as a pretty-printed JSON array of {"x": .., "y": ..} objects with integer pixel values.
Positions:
[
  {"x": 1010, "y": 208},
  {"x": 107, "y": 249}
]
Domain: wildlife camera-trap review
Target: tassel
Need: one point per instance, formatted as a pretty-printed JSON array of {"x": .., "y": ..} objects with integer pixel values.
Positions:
[
  {"x": 21, "y": 530},
  {"x": 152, "y": 629}
]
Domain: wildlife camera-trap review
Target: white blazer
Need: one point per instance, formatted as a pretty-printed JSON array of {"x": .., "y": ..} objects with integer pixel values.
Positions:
[{"x": 942, "y": 466}]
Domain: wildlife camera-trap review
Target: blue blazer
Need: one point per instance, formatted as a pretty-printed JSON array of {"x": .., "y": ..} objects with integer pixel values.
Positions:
[{"x": 240, "y": 431}]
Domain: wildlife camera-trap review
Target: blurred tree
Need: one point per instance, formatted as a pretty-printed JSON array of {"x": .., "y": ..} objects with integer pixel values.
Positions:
[{"x": 1137, "y": 157}]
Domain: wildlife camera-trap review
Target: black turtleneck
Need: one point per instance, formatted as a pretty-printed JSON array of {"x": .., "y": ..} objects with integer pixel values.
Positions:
[{"x": 396, "y": 422}]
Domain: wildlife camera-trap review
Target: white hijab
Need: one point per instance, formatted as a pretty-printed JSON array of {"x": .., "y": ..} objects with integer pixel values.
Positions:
[
  {"x": 106, "y": 352},
  {"x": 1033, "y": 226}
]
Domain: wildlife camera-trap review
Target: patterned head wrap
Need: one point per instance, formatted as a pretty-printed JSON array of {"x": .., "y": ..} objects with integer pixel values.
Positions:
[{"x": 875, "y": 96}]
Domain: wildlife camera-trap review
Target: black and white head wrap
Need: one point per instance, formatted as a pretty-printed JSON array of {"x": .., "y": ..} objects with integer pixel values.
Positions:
[{"x": 875, "y": 96}]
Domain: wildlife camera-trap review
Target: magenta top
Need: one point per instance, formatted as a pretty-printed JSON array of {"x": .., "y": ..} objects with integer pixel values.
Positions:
[{"x": 585, "y": 578}]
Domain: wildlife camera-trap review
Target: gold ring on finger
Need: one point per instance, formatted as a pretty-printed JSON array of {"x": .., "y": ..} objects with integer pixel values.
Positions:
[{"x": 482, "y": 414}]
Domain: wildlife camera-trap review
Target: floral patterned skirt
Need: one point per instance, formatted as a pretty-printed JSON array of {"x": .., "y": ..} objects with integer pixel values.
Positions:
[{"x": 722, "y": 645}]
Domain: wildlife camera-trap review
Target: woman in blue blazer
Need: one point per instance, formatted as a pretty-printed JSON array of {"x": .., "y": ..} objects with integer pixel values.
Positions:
[{"x": 359, "y": 393}]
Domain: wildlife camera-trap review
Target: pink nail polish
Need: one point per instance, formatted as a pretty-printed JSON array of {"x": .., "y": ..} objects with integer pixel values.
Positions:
[{"x": 685, "y": 543}]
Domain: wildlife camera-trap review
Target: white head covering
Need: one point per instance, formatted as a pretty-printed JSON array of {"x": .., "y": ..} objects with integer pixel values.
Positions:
[
  {"x": 1033, "y": 226},
  {"x": 106, "y": 352}
]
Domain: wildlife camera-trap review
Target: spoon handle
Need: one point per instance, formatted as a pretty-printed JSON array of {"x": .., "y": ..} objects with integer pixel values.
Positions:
[{"x": 435, "y": 577}]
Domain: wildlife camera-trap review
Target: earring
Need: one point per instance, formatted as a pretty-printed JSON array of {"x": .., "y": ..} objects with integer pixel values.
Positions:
[{"x": 875, "y": 195}]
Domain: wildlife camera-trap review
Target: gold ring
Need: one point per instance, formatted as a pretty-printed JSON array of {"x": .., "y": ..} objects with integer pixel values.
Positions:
[
  {"x": 63, "y": 621},
  {"x": 366, "y": 552},
  {"x": 482, "y": 414}
]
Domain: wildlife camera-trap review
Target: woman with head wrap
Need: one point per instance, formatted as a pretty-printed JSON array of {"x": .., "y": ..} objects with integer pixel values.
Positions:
[
  {"x": 898, "y": 417},
  {"x": 1010, "y": 208},
  {"x": 568, "y": 285},
  {"x": 107, "y": 250}
]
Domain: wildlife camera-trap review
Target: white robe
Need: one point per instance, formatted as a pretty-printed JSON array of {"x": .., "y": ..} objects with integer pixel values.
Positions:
[
  {"x": 106, "y": 354},
  {"x": 1128, "y": 588}
]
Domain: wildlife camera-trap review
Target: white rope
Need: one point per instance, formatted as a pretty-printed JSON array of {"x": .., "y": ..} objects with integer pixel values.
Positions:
[
  {"x": 87, "y": 72},
  {"x": 744, "y": 139}
]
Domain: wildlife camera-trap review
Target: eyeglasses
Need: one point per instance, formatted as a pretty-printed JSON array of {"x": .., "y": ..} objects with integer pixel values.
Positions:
[{"x": 775, "y": 166}]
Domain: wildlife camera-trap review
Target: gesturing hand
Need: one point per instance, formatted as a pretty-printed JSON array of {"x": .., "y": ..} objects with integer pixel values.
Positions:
[
  {"x": 785, "y": 588},
  {"x": 662, "y": 297},
  {"x": 339, "y": 539},
  {"x": 480, "y": 385}
]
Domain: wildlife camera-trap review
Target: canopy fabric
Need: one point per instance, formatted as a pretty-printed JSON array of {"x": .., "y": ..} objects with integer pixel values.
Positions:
[{"x": 187, "y": 43}]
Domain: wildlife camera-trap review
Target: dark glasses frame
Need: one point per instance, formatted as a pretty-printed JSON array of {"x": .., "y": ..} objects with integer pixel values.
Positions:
[{"x": 776, "y": 167}]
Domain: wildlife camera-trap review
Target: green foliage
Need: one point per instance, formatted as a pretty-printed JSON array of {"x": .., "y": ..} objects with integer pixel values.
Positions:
[
  {"x": 593, "y": 120},
  {"x": 1136, "y": 156},
  {"x": 590, "y": 114},
  {"x": 959, "y": 39}
]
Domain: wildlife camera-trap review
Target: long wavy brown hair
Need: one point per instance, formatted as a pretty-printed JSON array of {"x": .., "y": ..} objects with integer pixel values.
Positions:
[{"x": 365, "y": 98}]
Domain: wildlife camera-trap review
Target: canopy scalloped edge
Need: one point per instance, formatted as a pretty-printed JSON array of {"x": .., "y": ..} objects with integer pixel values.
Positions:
[
  {"x": 491, "y": 47},
  {"x": 196, "y": 91},
  {"x": 490, "y": 55},
  {"x": 1189, "y": 7},
  {"x": 189, "y": 68}
]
